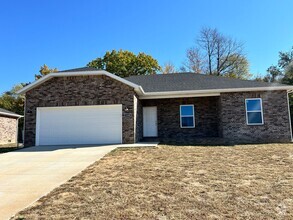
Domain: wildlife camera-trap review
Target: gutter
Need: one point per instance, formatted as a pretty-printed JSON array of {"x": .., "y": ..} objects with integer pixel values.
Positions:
[
  {"x": 289, "y": 112},
  {"x": 16, "y": 138},
  {"x": 211, "y": 92},
  {"x": 12, "y": 115}
]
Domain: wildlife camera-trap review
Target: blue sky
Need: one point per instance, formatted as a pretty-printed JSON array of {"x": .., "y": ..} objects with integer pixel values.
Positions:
[{"x": 70, "y": 33}]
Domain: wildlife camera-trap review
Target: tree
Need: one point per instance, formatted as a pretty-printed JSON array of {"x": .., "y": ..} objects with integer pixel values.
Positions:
[
  {"x": 168, "y": 68},
  {"x": 274, "y": 73},
  {"x": 258, "y": 78},
  {"x": 217, "y": 54},
  {"x": 44, "y": 70},
  {"x": 193, "y": 62},
  {"x": 286, "y": 63},
  {"x": 237, "y": 67},
  {"x": 125, "y": 63},
  {"x": 283, "y": 72},
  {"x": 11, "y": 101},
  {"x": 285, "y": 59},
  {"x": 288, "y": 75}
]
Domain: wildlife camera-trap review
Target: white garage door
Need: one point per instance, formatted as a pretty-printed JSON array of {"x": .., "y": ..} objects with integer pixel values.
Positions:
[{"x": 99, "y": 124}]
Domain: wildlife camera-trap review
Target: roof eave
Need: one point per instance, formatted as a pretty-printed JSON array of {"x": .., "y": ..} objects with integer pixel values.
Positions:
[
  {"x": 211, "y": 92},
  {"x": 11, "y": 115}
]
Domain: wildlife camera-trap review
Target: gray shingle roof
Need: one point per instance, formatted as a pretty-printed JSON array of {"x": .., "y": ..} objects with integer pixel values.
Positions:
[
  {"x": 81, "y": 69},
  {"x": 6, "y": 112},
  {"x": 192, "y": 81}
]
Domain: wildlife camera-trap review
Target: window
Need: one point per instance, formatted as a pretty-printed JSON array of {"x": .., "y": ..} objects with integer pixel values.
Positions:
[
  {"x": 187, "y": 116},
  {"x": 254, "y": 114}
]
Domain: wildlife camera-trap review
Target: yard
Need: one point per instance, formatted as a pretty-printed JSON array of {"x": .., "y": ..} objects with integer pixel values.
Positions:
[{"x": 240, "y": 182}]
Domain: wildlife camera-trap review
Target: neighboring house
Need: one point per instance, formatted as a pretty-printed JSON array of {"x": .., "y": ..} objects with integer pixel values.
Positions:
[
  {"x": 89, "y": 106},
  {"x": 8, "y": 127}
]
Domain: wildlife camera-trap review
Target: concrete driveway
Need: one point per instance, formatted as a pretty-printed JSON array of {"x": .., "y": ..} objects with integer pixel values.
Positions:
[{"x": 28, "y": 174}]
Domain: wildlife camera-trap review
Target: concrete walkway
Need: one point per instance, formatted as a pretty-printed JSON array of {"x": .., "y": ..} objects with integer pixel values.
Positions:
[{"x": 28, "y": 174}]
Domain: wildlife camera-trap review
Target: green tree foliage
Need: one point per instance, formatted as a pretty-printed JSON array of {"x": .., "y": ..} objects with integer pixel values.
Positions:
[
  {"x": 124, "y": 63},
  {"x": 286, "y": 63},
  {"x": 285, "y": 59},
  {"x": 288, "y": 76},
  {"x": 44, "y": 70},
  {"x": 11, "y": 101},
  {"x": 237, "y": 67},
  {"x": 283, "y": 72},
  {"x": 274, "y": 73}
]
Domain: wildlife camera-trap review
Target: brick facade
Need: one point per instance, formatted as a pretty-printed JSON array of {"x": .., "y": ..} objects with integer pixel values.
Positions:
[
  {"x": 276, "y": 127},
  {"x": 8, "y": 129},
  {"x": 138, "y": 122},
  {"x": 206, "y": 119},
  {"x": 78, "y": 91},
  {"x": 218, "y": 118}
]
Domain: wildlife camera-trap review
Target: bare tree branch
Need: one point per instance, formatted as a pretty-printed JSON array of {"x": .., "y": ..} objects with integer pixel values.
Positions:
[
  {"x": 168, "y": 68},
  {"x": 216, "y": 54},
  {"x": 194, "y": 60}
]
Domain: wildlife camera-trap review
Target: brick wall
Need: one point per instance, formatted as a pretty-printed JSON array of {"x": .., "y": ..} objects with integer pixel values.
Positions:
[
  {"x": 276, "y": 126},
  {"x": 206, "y": 119},
  {"x": 138, "y": 122},
  {"x": 8, "y": 132},
  {"x": 222, "y": 116},
  {"x": 78, "y": 91}
]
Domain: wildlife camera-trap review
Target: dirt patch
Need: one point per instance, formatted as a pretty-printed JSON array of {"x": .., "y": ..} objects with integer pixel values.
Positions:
[{"x": 241, "y": 182}]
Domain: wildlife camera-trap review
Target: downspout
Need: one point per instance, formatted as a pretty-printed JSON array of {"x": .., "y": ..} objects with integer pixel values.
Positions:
[
  {"x": 16, "y": 138},
  {"x": 289, "y": 112}
]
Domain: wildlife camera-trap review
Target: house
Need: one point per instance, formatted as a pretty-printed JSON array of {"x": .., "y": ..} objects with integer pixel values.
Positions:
[
  {"x": 8, "y": 127},
  {"x": 90, "y": 106}
]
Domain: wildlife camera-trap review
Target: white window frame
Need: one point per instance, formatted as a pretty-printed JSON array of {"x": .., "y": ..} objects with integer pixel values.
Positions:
[
  {"x": 187, "y": 116},
  {"x": 261, "y": 111}
]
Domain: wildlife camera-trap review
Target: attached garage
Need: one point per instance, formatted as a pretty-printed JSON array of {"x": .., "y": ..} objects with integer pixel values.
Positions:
[{"x": 95, "y": 124}]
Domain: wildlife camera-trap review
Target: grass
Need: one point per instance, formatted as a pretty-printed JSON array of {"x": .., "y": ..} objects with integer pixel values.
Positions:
[{"x": 241, "y": 182}]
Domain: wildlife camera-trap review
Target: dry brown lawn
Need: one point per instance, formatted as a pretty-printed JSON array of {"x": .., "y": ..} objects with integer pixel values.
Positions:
[{"x": 240, "y": 182}]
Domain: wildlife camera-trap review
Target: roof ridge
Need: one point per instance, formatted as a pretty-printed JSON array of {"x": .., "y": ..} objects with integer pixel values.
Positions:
[
  {"x": 205, "y": 75},
  {"x": 190, "y": 82},
  {"x": 79, "y": 69}
]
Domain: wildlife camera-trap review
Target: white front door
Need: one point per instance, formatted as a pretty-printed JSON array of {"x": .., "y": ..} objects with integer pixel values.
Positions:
[{"x": 150, "y": 127}]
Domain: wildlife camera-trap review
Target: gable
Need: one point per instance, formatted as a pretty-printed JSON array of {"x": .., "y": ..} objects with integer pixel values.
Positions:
[
  {"x": 42, "y": 80},
  {"x": 58, "y": 89}
]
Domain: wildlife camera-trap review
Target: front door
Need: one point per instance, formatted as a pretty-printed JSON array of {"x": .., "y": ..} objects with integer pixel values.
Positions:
[{"x": 150, "y": 127}]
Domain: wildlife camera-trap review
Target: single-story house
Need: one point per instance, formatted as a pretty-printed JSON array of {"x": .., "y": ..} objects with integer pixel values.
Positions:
[
  {"x": 8, "y": 127},
  {"x": 90, "y": 106}
]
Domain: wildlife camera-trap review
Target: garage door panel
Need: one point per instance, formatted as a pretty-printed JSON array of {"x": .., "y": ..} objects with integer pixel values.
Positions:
[{"x": 79, "y": 125}]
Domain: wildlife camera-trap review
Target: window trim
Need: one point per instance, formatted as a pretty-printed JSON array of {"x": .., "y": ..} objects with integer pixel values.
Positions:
[
  {"x": 261, "y": 111},
  {"x": 193, "y": 116}
]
